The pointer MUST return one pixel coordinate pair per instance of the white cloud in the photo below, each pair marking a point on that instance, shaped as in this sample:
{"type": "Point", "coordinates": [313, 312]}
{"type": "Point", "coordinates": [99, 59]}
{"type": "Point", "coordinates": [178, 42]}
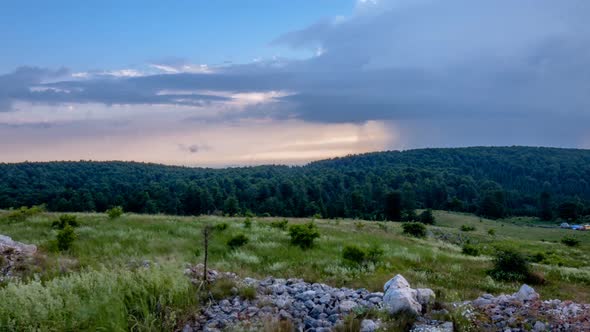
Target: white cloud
{"type": "Point", "coordinates": [183, 68]}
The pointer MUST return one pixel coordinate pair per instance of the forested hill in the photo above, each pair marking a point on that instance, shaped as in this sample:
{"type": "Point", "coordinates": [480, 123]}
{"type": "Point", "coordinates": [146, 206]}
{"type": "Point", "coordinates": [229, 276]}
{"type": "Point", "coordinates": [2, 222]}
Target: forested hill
{"type": "Point", "coordinates": [492, 181]}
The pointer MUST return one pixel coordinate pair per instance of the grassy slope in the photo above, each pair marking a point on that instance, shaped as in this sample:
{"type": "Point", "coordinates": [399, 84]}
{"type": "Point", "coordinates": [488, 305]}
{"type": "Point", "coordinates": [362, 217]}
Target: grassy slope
{"type": "Point", "coordinates": [105, 245]}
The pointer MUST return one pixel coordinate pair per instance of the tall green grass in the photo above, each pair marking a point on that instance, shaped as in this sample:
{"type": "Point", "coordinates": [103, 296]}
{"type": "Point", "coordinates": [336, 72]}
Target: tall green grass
{"type": "Point", "coordinates": [153, 299]}
{"type": "Point", "coordinates": [110, 246]}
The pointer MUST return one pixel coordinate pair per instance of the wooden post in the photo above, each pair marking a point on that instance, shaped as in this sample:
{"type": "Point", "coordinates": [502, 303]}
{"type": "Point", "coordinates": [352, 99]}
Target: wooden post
{"type": "Point", "coordinates": [206, 235]}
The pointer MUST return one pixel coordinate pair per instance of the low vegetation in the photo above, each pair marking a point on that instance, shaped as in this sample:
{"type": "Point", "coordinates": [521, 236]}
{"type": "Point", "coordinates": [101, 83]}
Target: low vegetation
{"type": "Point", "coordinates": [467, 228]}
{"type": "Point", "coordinates": [110, 276]}
{"type": "Point", "coordinates": [65, 220]}
{"type": "Point", "coordinates": [304, 235]}
{"type": "Point", "coordinates": [570, 241]}
{"type": "Point", "coordinates": [510, 265]}
{"type": "Point", "coordinates": [237, 241]}
{"type": "Point", "coordinates": [115, 212]}
{"type": "Point", "coordinates": [414, 229]}
{"type": "Point", "coordinates": [65, 238]}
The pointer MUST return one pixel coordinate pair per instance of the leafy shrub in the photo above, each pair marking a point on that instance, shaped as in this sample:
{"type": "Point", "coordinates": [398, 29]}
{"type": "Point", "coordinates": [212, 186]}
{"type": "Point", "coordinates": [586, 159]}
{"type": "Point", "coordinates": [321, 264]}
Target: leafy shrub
{"type": "Point", "coordinates": [220, 227]}
{"type": "Point", "coordinates": [359, 225]}
{"type": "Point", "coordinates": [317, 216]}
{"type": "Point", "coordinates": [509, 265]}
{"type": "Point", "coordinates": [247, 223]}
{"type": "Point", "coordinates": [538, 257]}
{"type": "Point", "coordinates": [470, 250]}
{"type": "Point", "coordinates": [64, 220]}
{"type": "Point", "coordinates": [383, 227]}
{"type": "Point", "coordinates": [354, 255]}
{"type": "Point", "coordinates": [570, 241]}
{"type": "Point", "coordinates": [374, 254]}
{"type": "Point", "coordinates": [247, 293]}
{"type": "Point", "coordinates": [65, 238]}
{"type": "Point", "coordinates": [237, 241]}
{"type": "Point", "coordinates": [282, 224]}
{"type": "Point", "coordinates": [415, 229]}
{"type": "Point", "coordinates": [410, 215]}
{"type": "Point", "coordinates": [426, 217]}
{"type": "Point", "coordinates": [467, 228]}
{"type": "Point", "coordinates": [115, 212]}
{"type": "Point", "coordinates": [23, 213]}
{"type": "Point", "coordinates": [492, 232]}
{"type": "Point", "coordinates": [304, 235]}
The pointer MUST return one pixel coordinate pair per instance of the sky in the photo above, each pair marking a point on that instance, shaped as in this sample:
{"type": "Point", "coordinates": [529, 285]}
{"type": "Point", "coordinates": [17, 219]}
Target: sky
{"type": "Point", "coordinates": [227, 83]}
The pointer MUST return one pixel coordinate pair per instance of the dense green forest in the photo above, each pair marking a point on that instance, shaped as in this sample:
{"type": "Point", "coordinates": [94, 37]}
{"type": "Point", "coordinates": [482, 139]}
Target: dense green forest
{"type": "Point", "coordinates": [491, 181]}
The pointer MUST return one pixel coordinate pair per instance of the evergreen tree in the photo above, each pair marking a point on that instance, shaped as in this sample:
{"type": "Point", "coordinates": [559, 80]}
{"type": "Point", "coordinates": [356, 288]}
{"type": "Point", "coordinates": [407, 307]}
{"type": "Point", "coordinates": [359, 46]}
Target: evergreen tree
{"type": "Point", "coordinates": [393, 206]}
{"type": "Point", "coordinates": [545, 206]}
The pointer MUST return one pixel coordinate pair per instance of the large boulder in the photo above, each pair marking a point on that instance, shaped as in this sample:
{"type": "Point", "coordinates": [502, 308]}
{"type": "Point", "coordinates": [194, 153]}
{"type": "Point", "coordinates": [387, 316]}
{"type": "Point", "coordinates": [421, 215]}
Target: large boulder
{"type": "Point", "coordinates": [396, 282]}
{"type": "Point", "coordinates": [13, 256]}
{"type": "Point", "coordinates": [6, 243]}
{"type": "Point", "coordinates": [526, 293]}
{"type": "Point", "coordinates": [399, 297]}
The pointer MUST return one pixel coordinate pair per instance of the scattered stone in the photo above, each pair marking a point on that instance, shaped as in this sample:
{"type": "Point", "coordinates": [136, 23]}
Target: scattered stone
{"type": "Point", "coordinates": [399, 297]}
{"type": "Point", "coordinates": [368, 325]}
{"type": "Point", "coordinates": [310, 307]}
{"type": "Point", "coordinates": [347, 306]}
{"type": "Point", "coordinates": [425, 296]}
{"type": "Point", "coordinates": [525, 311]}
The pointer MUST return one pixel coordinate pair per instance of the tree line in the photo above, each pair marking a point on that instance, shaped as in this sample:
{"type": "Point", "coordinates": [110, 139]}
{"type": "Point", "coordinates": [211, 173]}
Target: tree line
{"type": "Point", "coordinates": [491, 181]}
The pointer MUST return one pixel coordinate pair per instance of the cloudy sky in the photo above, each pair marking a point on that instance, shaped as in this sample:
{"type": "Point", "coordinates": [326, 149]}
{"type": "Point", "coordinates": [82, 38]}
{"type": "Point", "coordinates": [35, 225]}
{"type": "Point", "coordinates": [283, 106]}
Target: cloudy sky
{"type": "Point", "coordinates": [218, 83]}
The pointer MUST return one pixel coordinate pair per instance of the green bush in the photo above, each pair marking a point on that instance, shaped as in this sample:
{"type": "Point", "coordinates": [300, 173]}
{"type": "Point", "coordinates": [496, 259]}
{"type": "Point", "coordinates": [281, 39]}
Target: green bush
{"type": "Point", "coordinates": [538, 257]}
{"type": "Point", "coordinates": [304, 235]}
{"type": "Point", "coordinates": [510, 265]}
{"type": "Point", "coordinates": [375, 254]}
{"type": "Point", "coordinates": [354, 255]}
{"type": "Point", "coordinates": [64, 220]}
{"type": "Point", "coordinates": [65, 238]}
{"type": "Point", "coordinates": [237, 241]}
{"type": "Point", "coordinates": [467, 228]}
{"type": "Point", "coordinates": [492, 232]}
{"type": "Point", "coordinates": [221, 227]}
{"type": "Point", "coordinates": [470, 250]}
{"type": "Point", "coordinates": [415, 229]}
{"type": "Point", "coordinates": [23, 213]}
{"type": "Point", "coordinates": [115, 212]}
{"type": "Point", "coordinates": [282, 224]}
{"type": "Point", "coordinates": [426, 217]}
{"type": "Point", "coordinates": [247, 223]}
{"type": "Point", "coordinates": [359, 226]}
{"type": "Point", "coordinates": [410, 215]}
{"type": "Point", "coordinates": [570, 241]}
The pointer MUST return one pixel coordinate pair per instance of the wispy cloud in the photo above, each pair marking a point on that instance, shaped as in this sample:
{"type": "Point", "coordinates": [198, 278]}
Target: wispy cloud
{"type": "Point", "coordinates": [430, 72]}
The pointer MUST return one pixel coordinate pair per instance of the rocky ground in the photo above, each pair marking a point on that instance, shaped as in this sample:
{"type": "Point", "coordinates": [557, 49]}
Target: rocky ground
{"type": "Point", "coordinates": [525, 311]}
{"type": "Point", "coordinates": [307, 306]}
{"type": "Point", "coordinates": [13, 255]}
{"type": "Point", "coordinates": [319, 307]}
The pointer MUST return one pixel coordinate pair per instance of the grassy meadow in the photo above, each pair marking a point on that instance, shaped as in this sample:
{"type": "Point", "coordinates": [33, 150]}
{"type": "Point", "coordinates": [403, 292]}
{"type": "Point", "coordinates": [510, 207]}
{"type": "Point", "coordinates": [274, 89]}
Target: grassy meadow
{"type": "Point", "coordinates": [101, 284]}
